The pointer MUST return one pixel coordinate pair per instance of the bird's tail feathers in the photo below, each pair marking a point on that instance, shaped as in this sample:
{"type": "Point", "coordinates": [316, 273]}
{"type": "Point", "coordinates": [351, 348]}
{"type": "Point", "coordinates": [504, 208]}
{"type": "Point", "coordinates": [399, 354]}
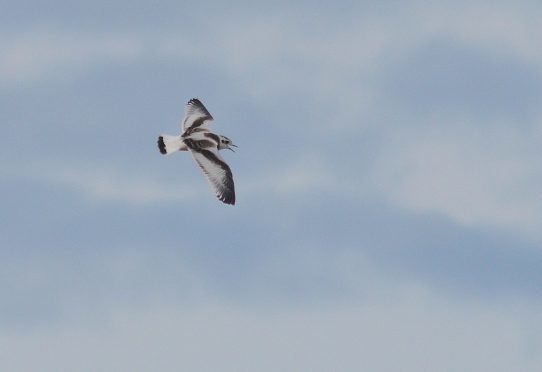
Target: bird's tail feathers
{"type": "Point", "coordinates": [168, 144]}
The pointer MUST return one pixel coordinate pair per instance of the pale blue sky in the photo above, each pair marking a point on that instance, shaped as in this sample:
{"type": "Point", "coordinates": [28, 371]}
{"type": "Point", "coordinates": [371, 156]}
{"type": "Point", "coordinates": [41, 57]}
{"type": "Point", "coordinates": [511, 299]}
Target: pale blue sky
{"type": "Point", "coordinates": [388, 181]}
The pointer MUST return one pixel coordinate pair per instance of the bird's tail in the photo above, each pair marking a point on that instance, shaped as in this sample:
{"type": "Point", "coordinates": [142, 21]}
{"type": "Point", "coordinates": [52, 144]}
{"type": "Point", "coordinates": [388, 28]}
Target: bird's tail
{"type": "Point", "coordinates": [168, 144]}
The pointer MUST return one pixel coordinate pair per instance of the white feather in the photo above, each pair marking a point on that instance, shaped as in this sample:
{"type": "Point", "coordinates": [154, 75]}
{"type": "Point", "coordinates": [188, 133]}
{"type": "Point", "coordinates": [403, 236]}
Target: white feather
{"type": "Point", "coordinates": [171, 144]}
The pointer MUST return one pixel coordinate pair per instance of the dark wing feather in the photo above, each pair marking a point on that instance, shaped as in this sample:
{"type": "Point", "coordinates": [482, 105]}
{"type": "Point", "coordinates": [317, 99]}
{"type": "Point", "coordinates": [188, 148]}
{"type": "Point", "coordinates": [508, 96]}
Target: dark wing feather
{"type": "Point", "coordinates": [196, 116]}
{"type": "Point", "coordinates": [218, 173]}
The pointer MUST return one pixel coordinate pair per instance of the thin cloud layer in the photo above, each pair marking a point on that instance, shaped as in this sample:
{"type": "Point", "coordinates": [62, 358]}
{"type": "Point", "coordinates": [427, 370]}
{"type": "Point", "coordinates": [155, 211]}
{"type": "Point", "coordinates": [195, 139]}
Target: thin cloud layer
{"type": "Point", "coordinates": [477, 176]}
{"type": "Point", "coordinates": [387, 175]}
{"type": "Point", "coordinates": [410, 333]}
{"type": "Point", "coordinates": [38, 55]}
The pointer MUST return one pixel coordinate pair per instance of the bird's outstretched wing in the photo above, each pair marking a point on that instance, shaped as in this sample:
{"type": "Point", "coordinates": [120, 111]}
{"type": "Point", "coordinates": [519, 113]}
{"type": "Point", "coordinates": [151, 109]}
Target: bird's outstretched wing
{"type": "Point", "coordinates": [196, 117]}
{"type": "Point", "coordinates": [216, 170]}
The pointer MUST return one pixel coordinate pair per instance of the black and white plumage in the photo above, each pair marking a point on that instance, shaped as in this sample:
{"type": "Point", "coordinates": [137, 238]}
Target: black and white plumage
{"type": "Point", "coordinates": [204, 145]}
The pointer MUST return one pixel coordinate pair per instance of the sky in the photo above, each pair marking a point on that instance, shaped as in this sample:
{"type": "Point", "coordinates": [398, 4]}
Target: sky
{"type": "Point", "coordinates": [388, 181]}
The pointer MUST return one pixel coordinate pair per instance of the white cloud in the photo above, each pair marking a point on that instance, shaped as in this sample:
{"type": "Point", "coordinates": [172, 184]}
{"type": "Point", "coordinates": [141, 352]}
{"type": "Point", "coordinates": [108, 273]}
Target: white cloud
{"type": "Point", "coordinates": [477, 175]}
{"type": "Point", "coordinates": [109, 185]}
{"type": "Point", "coordinates": [508, 28]}
{"type": "Point", "coordinates": [291, 55]}
{"type": "Point", "coordinates": [307, 174]}
{"type": "Point", "coordinates": [412, 332]}
{"type": "Point", "coordinates": [279, 49]}
{"type": "Point", "coordinates": [333, 70]}
{"type": "Point", "coordinates": [36, 55]}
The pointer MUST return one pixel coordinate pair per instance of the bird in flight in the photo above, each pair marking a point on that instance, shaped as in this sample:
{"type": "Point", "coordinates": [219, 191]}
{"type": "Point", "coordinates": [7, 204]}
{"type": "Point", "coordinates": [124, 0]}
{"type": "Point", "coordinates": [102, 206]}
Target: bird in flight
{"type": "Point", "coordinates": [204, 145]}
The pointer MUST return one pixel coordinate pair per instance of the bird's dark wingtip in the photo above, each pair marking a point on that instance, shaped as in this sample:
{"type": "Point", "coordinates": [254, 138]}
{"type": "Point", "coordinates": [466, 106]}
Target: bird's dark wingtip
{"type": "Point", "coordinates": [227, 199]}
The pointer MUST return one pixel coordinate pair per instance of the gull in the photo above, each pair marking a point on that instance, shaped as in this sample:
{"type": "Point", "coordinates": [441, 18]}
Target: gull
{"type": "Point", "coordinates": [204, 145]}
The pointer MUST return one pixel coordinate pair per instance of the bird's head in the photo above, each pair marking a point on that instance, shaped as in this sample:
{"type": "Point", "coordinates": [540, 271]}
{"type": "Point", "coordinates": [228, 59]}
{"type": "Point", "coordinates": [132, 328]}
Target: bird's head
{"type": "Point", "coordinates": [225, 143]}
